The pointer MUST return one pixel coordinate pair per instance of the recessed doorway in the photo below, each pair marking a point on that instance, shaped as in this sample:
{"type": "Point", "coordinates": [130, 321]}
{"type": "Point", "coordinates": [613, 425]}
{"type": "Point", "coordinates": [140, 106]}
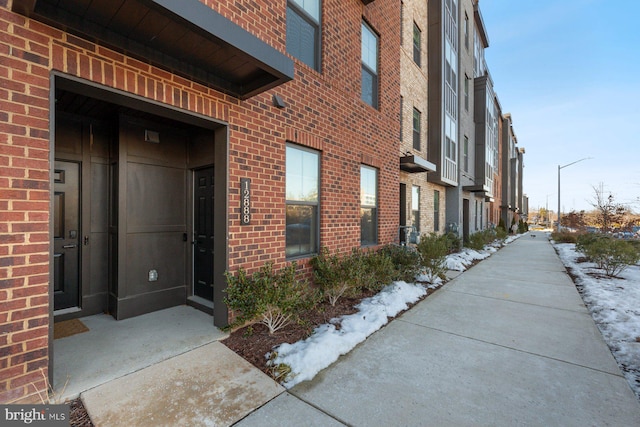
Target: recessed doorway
{"type": "Point", "coordinates": [139, 205]}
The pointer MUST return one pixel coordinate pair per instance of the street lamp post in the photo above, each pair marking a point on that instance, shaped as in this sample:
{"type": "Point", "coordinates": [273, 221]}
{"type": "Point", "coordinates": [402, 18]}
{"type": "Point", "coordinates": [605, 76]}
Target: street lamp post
{"type": "Point", "coordinates": [562, 167]}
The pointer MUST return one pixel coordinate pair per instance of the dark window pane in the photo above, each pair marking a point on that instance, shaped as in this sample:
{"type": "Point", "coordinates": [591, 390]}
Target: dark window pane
{"type": "Point", "coordinates": [301, 38]}
{"type": "Point", "coordinates": [416, 129]}
{"type": "Point", "coordinates": [369, 53]}
{"type": "Point", "coordinates": [436, 211]}
{"type": "Point", "coordinates": [417, 36]}
{"type": "Point", "coordinates": [301, 230]}
{"type": "Point", "coordinates": [368, 226]}
{"type": "Point", "coordinates": [368, 81]}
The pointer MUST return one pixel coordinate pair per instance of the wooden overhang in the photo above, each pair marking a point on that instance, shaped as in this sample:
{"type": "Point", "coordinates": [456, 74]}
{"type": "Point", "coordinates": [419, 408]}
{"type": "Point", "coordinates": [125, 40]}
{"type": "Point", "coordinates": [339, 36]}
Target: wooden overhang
{"type": "Point", "coordinates": [185, 37]}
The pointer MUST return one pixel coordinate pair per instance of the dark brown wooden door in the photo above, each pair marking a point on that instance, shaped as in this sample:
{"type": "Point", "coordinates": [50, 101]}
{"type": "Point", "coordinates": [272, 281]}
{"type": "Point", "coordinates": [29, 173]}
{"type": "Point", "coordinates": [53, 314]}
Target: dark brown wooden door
{"type": "Point", "coordinates": [66, 234]}
{"type": "Point", "coordinates": [203, 234]}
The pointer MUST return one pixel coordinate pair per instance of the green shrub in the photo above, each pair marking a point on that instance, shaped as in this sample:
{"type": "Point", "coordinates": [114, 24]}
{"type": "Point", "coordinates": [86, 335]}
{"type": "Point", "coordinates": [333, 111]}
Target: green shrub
{"type": "Point", "coordinates": [611, 255]}
{"type": "Point", "coordinates": [433, 249]}
{"type": "Point", "coordinates": [405, 260]}
{"type": "Point", "coordinates": [356, 270]}
{"type": "Point", "coordinates": [584, 240]}
{"type": "Point", "coordinates": [379, 270]}
{"type": "Point", "coordinates": [349, 275]}
{"type": "Point", "coordinates": [454, 243]}
{"type": "Point", "coordinates": [479, 239]}
{"type": "Point", "coordinates": [501, 233]}
{"type": "Point", "coordinates": [330, 276]}
{"type": "Point", "coordinates": [501, 230]}
{"type": "Point", "coordinates": [521, 226]}
{"type": "Point", "coordinates": [564, 237]}
{"type": "Point", "coordinates": [273, 299]}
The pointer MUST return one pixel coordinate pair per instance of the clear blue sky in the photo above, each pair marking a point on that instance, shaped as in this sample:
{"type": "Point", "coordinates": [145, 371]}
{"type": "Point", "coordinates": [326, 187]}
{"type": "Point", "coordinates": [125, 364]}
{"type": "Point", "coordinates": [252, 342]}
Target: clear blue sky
{"type": "Point", "coordinates": [568, 71]}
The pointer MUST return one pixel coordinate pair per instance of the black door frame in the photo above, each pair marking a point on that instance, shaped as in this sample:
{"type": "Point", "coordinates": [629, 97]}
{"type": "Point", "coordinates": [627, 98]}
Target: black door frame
{"type": "Point", "coordinates": [67, 248]}
{"type": "Point", "coordinates": [220, 130]}
{"type": "Point", "coordinates": [203, 291]}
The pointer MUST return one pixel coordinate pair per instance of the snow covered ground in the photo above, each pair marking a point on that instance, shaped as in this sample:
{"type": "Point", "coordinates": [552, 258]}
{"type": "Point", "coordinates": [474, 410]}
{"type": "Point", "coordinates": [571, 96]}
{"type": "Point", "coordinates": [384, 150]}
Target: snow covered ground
{"type": "Point", "coordinates": [614, 304]}
{"type": "Point", "coordinates": [328, 342]}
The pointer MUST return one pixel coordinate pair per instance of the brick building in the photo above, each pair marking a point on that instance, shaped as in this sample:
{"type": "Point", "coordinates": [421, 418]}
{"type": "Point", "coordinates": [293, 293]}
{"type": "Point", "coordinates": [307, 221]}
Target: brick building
{"type": "Point", "coordinates": [422, 203]}
{"type": "Point", "coordinates": [148, 146]}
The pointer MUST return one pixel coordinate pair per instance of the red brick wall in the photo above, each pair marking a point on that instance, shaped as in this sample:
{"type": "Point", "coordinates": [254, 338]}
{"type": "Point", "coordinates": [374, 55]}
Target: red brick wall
{"type": "Point", "coordinates": [24, 206]}
{"type": "Point", "coordinates": [324, 111]}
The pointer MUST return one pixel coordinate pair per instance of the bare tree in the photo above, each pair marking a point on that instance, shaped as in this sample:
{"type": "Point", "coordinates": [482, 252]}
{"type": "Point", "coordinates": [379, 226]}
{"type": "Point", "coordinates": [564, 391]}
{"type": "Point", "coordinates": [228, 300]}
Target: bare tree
{"type": "Point", "coordinates": [608, 211]}
{"type": "Point", "coordinates": [575, 220]}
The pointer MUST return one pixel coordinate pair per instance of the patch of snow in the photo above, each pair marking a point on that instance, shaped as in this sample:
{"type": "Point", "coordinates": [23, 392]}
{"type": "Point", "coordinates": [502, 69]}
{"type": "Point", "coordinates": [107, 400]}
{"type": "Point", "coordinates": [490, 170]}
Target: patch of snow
{"type": "Point", "coordinates": [308, 357]}
{"type": "Point", "coordinates": [614, 304]}
{"type": "Point", "coordinates": [329, 341]}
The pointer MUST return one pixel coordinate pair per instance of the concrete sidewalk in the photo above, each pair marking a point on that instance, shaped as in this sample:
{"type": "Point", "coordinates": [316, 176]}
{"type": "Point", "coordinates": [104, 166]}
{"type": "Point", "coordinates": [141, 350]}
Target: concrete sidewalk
{"type": "Point", "coordinates": [508, 342]}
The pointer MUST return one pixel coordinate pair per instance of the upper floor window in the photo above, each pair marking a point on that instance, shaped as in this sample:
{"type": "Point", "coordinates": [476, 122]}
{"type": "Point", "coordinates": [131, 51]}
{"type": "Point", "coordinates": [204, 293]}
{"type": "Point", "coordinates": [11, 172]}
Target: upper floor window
{"type": "Point", "coordinates": [465, 154]}
{"type": "Point", "coordinates": [417, 43]}
{"type": "Point", "coordinates": [303, 31]}
{"type": "Point", "coordinates": [368, 206]}
{"type": "Point", "coordinates": [401, 117]}
{"type": "Point", "coordinates": [302, 188]}
{"type": "Point", "coordinates": [450, 139]}
{"type": "Point", "coordinates": [415, 206]}
{"type": "Point", "coordinates": [401, 23]}
{"type": "Point", "coordinates": [466, 92]}
{"type": "Point", "coordinates": [452, 5]}
{"type": "Point", "coordinates": [369, 66]}
{"type": "Point", "coordinates": [466, 31]}
{"type": "Point", "coordinates": [417, 118]}
{"type": "Point", "coordinates": [451, 67]}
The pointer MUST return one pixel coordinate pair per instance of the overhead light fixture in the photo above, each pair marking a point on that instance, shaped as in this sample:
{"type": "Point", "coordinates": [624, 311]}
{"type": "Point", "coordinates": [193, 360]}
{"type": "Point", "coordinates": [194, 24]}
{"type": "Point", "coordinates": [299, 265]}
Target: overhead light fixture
{"type": "Point", "coordinates": [278, 101]}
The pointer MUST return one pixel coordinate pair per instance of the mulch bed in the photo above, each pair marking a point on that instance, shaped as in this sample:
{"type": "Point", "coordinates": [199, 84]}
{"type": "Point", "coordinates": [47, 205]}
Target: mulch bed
{"type": "Point", "coordinates": [253, 342]}
{"type": "Point", "coordinates": [78, 416]}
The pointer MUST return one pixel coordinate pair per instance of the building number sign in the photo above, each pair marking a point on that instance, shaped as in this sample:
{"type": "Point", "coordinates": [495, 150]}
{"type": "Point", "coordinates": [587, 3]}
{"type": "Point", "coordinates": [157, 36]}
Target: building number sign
{"type": "Point", "coordinates": [245, 189]}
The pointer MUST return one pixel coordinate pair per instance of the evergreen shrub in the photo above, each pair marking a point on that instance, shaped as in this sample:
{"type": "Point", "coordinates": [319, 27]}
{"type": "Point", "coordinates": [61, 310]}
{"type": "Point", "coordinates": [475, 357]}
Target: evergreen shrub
{"type": "Point", "coordinates": [433, 249]}
{"type": "Point", "coordinates": [273, 299]}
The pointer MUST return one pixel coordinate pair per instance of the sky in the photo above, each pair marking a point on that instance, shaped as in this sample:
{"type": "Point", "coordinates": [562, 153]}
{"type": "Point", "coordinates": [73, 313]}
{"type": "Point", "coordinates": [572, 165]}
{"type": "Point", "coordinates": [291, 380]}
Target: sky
{"type": "Point", "coordinates": [568, 71]}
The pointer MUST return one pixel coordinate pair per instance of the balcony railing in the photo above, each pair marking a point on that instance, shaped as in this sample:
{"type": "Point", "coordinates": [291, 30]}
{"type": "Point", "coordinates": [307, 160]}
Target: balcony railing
{"type": "Point", "coordinates": [450, 170]}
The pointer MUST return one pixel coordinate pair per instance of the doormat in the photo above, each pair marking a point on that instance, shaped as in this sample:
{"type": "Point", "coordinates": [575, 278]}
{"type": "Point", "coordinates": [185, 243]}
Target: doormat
{"type": "Point", "coordinates": [68, 328]}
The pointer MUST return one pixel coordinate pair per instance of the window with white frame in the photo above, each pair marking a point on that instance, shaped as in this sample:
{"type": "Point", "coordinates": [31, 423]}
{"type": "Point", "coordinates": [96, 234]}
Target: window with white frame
{"type": "Point", "coordinates": [369, 66]}
{"type": "Point", "coordinates": [302, 201]}
{"type": "Point", "coordinates": [450, 138]}
{"type": "Point", "coordinates": [368, 206]}
{"type": "Point", "coordinates": [401, 118]}
{"type": "Point", "coordinates": [303, 31]}
{"type": "Point", "coordinates": [417, 44]}
{"type": "Point", "coordinates": [417, 119]}
{"type": "Point", "coordinates": [415, 206]}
